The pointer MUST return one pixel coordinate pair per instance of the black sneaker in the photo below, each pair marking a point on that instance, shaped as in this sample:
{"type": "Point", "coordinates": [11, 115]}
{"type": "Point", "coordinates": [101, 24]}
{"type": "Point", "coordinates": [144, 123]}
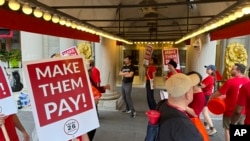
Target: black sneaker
{"type": "Point", "coordinates": [126, 111]}
{"type": "Point", "coordinates": [133, 114]}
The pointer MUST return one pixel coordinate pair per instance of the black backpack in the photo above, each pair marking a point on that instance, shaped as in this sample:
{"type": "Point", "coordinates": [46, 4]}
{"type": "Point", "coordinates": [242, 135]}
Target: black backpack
{"type": "Point", "coordinates": [16, 84]}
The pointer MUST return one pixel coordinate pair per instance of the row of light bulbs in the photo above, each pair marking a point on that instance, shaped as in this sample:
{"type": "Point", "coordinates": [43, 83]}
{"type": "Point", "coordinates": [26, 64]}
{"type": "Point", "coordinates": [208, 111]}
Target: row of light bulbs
{"type": "Point", "coordinates": [47, 16]}
{"type": "Point", "coordinates": [217, 23]}
{"type": "Point", "coordinates": [164, 42]}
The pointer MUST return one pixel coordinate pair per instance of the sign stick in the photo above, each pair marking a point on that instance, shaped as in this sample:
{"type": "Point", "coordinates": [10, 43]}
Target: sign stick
{"type": "Point", "coordinates": [108, 78]}
{"type": "Point", "coordinates": [6, 136]}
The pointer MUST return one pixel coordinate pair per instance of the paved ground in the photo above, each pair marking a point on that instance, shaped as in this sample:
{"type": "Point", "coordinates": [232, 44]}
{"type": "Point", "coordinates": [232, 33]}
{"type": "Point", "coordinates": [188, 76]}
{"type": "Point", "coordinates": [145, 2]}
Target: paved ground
{"type": "Point", "coordinates": [117, 126]}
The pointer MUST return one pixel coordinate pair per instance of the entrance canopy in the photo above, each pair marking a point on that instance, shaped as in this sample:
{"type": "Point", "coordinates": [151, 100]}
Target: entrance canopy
{"type": "Point", "coordinates": [133, 20]}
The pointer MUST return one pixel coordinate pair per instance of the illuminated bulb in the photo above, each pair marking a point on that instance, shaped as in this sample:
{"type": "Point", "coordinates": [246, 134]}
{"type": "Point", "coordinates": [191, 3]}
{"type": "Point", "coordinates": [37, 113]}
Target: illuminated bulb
{"type": "Point", "coordinates": [68, 23]}
{"type": "Point", "coordinates": [47, 16]}
{"type": "Point", "coordinates": [238, 13]}
{"type": "Point", "coordinates": [78, 27]}
{"type": "Point", "coordinates": [55, 18]}
{"type": "Point", "coordinates": [73, 25]}
{"type": "Point", "coordinates": [246, 10]}
{"type": "Point", "coordinates": [221, 22]}
{"type": "Point", "coordinates": [14, 5]}
{"type": "Point", "coordinates": [213, 26]}
{"type": "Point", "coordinates": [83, 28]}
{"type": "Point", "coordinates": [27, 9]}
{"type": "Point", "coordinates": [38, 12]}
{"type": "Point", "coordinates": [2, 2]}
{"type": "Point", "coordinates": [226, 20]}
{"type": "Point", "coordinates": [62, 21]}
{"type": "Point", "coordinates": [232, 17]}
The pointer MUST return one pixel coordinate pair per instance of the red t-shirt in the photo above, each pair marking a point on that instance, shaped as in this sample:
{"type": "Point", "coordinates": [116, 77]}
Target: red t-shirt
{"type": "Point", "coordinates": [209, 82]}
{"type": "Point", "coordinates": [95, 75]}
{"type": "Point", "coordinates": [11, 130]}
{"type": "Point", "coordinates": [244, 100]}
{"type": "Point", "coordinates": [198, 103]}
{"type": "Point", "coordinates": [151, 69]}
{"type": "Point", "coordinates": [170, 73]}
{"type": "Point", "coordinates": [231, 89]}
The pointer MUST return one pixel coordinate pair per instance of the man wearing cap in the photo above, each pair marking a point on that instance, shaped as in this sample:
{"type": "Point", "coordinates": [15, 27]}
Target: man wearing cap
{"type": "Point", "coordinates": [174, 123]}
{"type": "Point", "coordinates": [230, 89]}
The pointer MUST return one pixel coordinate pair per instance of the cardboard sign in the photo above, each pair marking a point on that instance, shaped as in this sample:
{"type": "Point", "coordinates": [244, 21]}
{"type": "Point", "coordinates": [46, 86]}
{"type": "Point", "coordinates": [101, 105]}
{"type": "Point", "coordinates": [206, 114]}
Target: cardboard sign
{"type": "Point", "coordinates": [72, 51]}
{"type": "Point", "coordinates": [7, 103]}
{"type": "Point", "coordinates": [167, 55]}
{"type": "Point", "coordinates": [148, 53]}
{"type": "Point", "coordinates": [61, 98]}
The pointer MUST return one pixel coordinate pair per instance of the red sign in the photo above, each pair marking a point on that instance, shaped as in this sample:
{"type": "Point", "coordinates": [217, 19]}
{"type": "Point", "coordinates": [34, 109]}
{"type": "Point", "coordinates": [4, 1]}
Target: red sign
{"type": "Point", "coordinates": [4, 87]}
{"type": "Point", "coordinates": [168, 54]}
{"type": "Point", "coordinates": [72, 51]}
{"type": "Point", "coordinates": [60, 89]}
{"type": "Point", "coordinates": [148, 53]}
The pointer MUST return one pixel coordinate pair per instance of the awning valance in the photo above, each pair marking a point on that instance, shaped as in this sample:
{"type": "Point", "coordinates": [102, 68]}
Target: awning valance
{"type": "Point", "coordinates": [18, 21]}
{"type": "Point", "coordinates": [239, 29]}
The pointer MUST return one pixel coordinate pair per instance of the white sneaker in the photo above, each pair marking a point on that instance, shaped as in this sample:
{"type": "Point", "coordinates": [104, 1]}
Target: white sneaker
{"type": "Point", "coordinates": [212, 132]}
{"type": "Point", "coordinates": [207, 127]}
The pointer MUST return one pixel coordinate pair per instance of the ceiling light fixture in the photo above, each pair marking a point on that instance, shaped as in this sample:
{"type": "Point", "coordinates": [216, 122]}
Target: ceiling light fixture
{"type": "Point", "coordinates": [246, 10]}
{"type": "Point", "coordinates": [14, 5]}
{"type": "Point", "coordinates": [38, 12]}
{"type": "Point", "coordinates": [55, 18]}
{"type": "Point", "coordinates": [47, 16]}
{"type": "Point", "coordinates": [73, 25]}
{"type": "Point", "coordinates": [62, 21]}
{"type": "Point", "coordinates": [235, 13]}
{"type": "Point", "coordinates": [2, 2]}
{"type": "Point", "coordinates": [68, 23]}
{"type": "Point", "coordinates": [27, 9]}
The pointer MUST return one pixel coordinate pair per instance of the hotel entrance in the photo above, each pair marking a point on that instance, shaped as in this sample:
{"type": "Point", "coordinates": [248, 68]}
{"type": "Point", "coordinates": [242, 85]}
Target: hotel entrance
{"type": "Point", "coordinates": [137, 52]}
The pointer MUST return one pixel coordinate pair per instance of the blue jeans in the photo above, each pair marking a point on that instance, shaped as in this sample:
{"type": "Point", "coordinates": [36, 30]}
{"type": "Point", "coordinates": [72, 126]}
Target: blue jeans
{"type": "Point", "coordinates": [152, 132]}
{"type": "Point", "coordinates": [150, 96]}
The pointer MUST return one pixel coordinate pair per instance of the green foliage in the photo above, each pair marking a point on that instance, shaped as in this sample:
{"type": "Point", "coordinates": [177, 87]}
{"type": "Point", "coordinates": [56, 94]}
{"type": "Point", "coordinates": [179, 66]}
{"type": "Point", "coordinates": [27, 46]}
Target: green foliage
{"type": "Point", "coordinates": [14, 54]}
{"type": "Point", "coordinates": [13, 57]}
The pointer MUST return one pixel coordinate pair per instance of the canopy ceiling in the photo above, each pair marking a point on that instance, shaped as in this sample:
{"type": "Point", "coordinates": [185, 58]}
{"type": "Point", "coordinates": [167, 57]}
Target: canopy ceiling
{"type": "Point", "coordinates": [166, 20]}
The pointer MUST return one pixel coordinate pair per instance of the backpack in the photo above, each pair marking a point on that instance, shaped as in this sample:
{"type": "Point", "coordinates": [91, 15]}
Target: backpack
{"type": "Point", "coordinates": [152, 130]}
{"type": "Point", "coordinates": [16, 84]}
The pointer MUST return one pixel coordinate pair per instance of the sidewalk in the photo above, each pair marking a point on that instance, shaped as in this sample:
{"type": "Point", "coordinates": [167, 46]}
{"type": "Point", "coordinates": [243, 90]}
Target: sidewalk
{"type": "Point", "coordinates": [118, 126]}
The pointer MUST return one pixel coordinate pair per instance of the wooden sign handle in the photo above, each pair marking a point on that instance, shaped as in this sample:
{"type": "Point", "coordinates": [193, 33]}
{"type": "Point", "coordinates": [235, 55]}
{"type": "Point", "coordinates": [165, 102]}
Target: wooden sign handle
{"type": "Point", "coordinates": [6, 136]}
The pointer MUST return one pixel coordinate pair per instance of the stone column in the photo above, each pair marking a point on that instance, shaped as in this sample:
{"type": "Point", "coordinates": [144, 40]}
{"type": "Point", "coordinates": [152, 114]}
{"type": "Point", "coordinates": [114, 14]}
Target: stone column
{"type": "Point", "coordinates": [198, 57]}
{"type": "Point", "coordinates": [105, 60]}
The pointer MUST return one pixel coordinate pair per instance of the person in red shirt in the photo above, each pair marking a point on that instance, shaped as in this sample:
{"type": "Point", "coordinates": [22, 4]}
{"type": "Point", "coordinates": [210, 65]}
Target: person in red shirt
{"type": "Point", "coordinates": [207, 87]}
{"type": "Point", "coordinates": [12, 122]}
{"type": "Point", "coordinates": [172, 65]}
{"type": "Point", "coordinates": [243, 103]}
{"type": "Point", "coordinates": [230, 89]}
{"type": "Point", "coordinates": [195, 107]}
{"type": "Point", "coordinates": [150, 83]}
{"type": "Point", "coordinates": [94, 73]}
